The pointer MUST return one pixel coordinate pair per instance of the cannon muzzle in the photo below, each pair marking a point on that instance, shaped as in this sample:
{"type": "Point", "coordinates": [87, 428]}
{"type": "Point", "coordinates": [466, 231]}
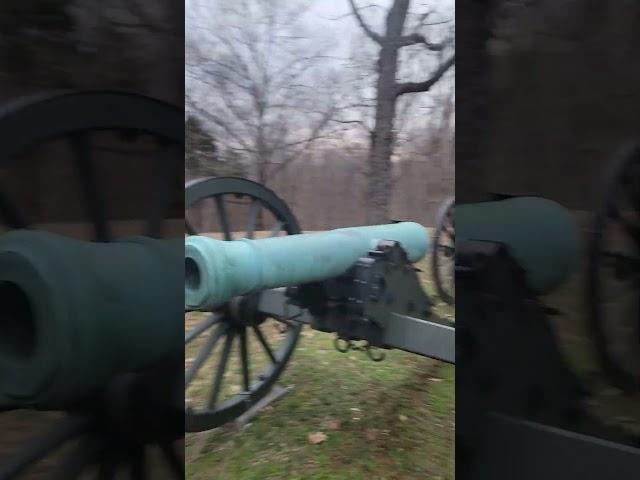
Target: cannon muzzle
{"type": "Point", "coordinates": [216, 271]}
{"type": "Point", "coordinates": [540, 234]}
{"type": "Point", "coordinates": [74, 314]}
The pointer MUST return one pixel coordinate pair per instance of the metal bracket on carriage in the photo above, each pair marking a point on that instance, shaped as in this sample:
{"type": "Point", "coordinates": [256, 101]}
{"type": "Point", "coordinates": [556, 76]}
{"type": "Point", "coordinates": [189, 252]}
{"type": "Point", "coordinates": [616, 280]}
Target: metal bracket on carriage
{"type": "Point", "coordinates": [358, 305]}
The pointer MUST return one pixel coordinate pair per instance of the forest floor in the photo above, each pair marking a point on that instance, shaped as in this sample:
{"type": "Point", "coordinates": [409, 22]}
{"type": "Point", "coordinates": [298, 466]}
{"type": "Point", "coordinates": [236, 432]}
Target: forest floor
{"type": "Point", "coordinates": [345, 418]}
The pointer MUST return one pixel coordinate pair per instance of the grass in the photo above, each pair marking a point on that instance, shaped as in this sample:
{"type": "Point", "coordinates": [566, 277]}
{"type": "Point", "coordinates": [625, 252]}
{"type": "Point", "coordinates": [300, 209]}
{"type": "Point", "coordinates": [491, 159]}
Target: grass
{"type": "Point", "coordinates": [605, 402]}
{"type": "Point", "coordinates": [388, 420]}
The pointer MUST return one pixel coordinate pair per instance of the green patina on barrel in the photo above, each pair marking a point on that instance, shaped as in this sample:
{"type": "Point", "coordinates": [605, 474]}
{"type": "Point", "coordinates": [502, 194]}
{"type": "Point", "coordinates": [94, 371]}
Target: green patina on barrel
{"type": "Point", "coordinates": [216, 270]}
{"type": "Point", "coordinates": [540, 234]}
{"type": "Point", "coordinates": [73, 313]}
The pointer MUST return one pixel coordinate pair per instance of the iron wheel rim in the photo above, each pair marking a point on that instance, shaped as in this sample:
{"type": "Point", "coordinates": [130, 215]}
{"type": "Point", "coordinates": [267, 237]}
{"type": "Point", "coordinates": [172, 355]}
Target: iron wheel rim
{"type": "Point", "coordinates": [445, 227]}
{"type": "Point", "coordinates": [620, 176]}
{"type": "Point", "coordinates": [216, 413]}
{"type": "Point", "coordinates": [74, 117]}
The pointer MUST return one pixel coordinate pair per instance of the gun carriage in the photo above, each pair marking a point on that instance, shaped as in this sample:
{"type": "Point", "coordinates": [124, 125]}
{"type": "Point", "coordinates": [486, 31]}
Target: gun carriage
{"type": "Point", "coordinates": [91, 329]}
{"type": "Point", "coordinates": [84, 339]}
{"type": "Point", "coordinates": [522, 397]}
{"type": "Point", "coordinates": [358, 283]}
{"type": "Point", "coordinates": [90, 342]}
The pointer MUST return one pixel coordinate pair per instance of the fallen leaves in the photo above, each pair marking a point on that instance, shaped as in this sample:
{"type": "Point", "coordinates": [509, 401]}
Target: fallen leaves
{"type": "Point", "coordinates": [317, 438]}
{"type": "Point", "coordinates": [371, 434]}
{"type": "Point", "coordinates": [334, 425]}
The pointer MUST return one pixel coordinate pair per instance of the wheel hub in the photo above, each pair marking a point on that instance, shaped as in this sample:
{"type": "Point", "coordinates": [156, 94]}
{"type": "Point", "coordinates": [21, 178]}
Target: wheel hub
{"type": "Point", "coordinates": [243, 311]}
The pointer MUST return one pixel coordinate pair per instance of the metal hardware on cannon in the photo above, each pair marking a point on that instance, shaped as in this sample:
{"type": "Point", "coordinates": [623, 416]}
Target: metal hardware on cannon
{"type": "Point", "coordinates": [359, 283]}
{"type": "Point", "coordinates": [348, 280]}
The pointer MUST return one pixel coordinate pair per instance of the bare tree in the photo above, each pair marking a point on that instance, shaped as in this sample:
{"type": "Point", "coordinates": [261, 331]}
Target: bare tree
{"type": "Point", "coordinates": [259, 79]}
{"type": "Point", "coordinates": [389, 90]}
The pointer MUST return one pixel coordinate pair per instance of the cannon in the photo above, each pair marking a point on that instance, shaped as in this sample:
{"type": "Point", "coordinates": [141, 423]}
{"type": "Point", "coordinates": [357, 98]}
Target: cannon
{"type": "Point", "coordinates": [518, 396]}
{"type": "Point", "coordinates": [217, 271]}
{"type": "Point", "coordinates": [358, 283]}
{"type": "Point", "coordinates": [89, 322]}
{"type": "Point", "coordinates": [51, 355]}
{"type": "Point", "coordinates": [547, 259]}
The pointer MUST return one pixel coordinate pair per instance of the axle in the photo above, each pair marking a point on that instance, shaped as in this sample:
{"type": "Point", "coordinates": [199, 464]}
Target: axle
{"type": "Point", "coordinates": [216, 271]}
{"type": "Point", "coordinates": [74, 314]}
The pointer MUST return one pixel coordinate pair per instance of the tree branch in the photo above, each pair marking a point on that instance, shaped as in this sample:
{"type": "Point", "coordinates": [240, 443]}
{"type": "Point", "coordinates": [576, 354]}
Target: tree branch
{"type": "Point", "coordinates": [358, 122]}
{"type": "Point", "coordinates": [340, 17]}
{"type": "Point", "coordinates": [370, 33]}
{"type": "Point", "coordinates": [425, 86]}
{"type": "Point", "coordinates": [419, 39]}
{"type": "Point", "coordinates": [315, 134]}
{"type": "Point", "coordinates": [202, 113]}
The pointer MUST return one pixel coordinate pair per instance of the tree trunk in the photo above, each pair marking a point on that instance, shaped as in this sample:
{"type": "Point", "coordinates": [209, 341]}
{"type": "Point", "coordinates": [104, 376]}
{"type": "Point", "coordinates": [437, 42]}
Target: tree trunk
{"type": "Point", "coordinates": [382, 139]}
{"type": "Point", "coordinates": [262, 162]}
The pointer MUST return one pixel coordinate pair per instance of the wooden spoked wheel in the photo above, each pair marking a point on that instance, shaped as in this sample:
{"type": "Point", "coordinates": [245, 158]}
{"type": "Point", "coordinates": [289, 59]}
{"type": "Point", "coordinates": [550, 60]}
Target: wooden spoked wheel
{"type": "Point", "coordinates": [235, 354]}
{"type": "Point", "coordinates": [613, 276]}
{"type": "Point", "coordinates": [443, 252]}
{"type": "Point", "coordinates": [130, 425]}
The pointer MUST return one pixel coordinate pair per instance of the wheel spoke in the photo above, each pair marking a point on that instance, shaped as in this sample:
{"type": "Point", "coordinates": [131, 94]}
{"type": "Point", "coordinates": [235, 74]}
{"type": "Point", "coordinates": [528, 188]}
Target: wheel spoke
{"type": "Point", "coordinates": [244, 357]}
{"type": "Point", "coordinates": [631, 184]}
{"type": "Point", "coordinates": [93, 193]}
{"type": "Point", "coordinates": [632, 230]}
{"type": "Point", "coordinates": [211, 320]}
{"type": "Point", "coordinates": [276, 229]}
{"type": "Point", "coordinates": [449, 232]}
{"type": "Point", "coordinates": [137, 470]}
{"type": "Point", "coordinates": [9, 213]}
{"type": "Point", "coordinates": [254, 209]}
{"type": "Point", "coordinates": [190, 229]}
{"type": "Point", "coordinates": [108, 467]}
{"type": "Point", "coordinates": [222, 368]}
{"type": "Point", "coordinates": [160, 198]}
{"type": "Point", "coordinates": [222, 216]}
{"type": "Point", "coordinates": [79, 459]}
{"type": "Point", "coordinates": [203, 354]}
{"type": "Point", "coordinates": [448, 250]}
{"type": "Point", "coordinates": [173, 460]}
{"type": "Point", "coordinates": [624, 257]}
{"type": "Point", "coordinates": [263, 342]}
{"type": "Point", "coordinates": [219, 403]}
{"type": "Point", "coordinates": [62, 431]}
{"type": "Point", "coordinates": [625, 266]}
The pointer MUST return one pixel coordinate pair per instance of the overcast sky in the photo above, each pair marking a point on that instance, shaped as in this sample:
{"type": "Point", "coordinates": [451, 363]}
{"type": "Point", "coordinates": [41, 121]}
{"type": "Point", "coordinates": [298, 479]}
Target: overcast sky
{"type": "Point", "coordinates": [329, 16]}
{"type": "Point", "coordinates": [331, 20]}
{"type": "Point", "coordinates": [328, 12]}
